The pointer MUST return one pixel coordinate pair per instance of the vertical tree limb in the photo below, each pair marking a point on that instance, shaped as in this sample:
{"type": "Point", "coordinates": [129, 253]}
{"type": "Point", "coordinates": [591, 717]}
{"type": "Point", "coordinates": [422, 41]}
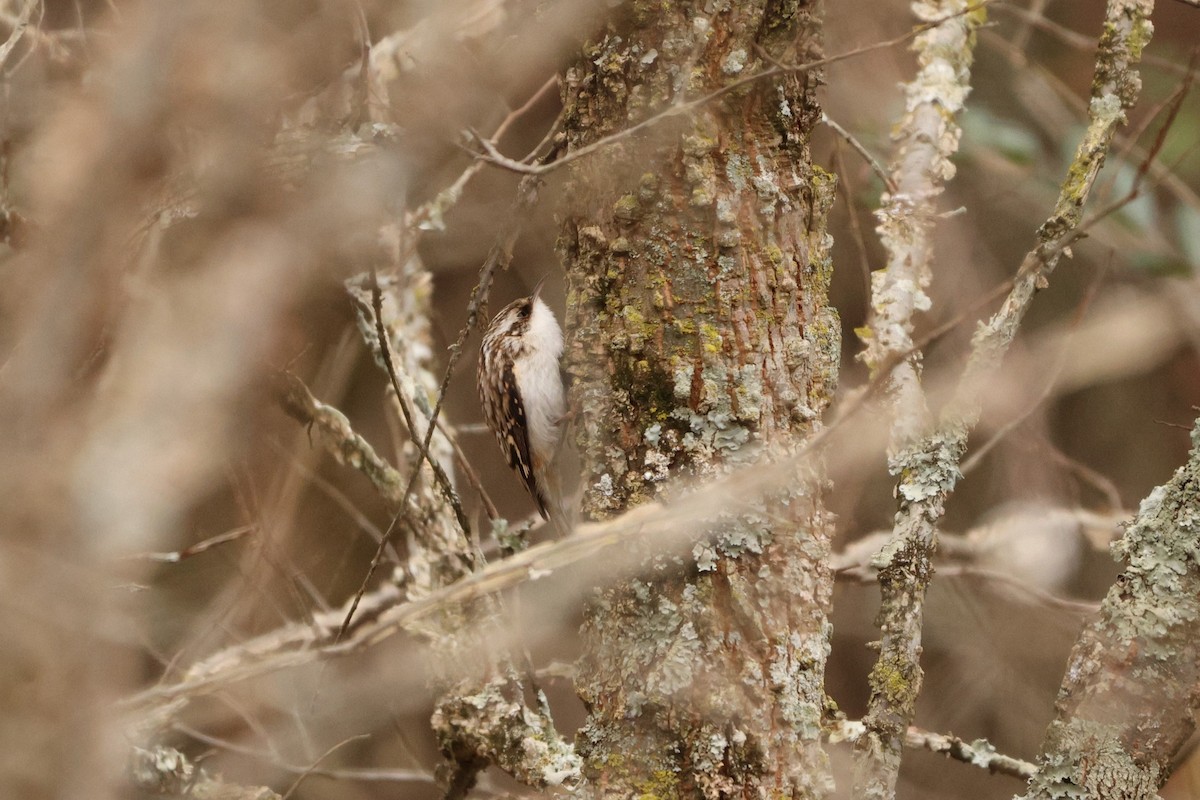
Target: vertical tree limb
{"type": "Point", "coordinates": [929, 469]}
{"type": "Point", "coordinates": [927, 138]}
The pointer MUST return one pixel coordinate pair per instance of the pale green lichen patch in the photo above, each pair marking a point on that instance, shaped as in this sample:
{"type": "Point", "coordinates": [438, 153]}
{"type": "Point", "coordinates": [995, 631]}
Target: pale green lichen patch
{"type": "Point", "coordinates": [748, 394]}
{"type": "Point", "coordinates": [1160, 588]}
{"type": "Point", "coordinates": [705, 557]}
{"type": "Point", "coordinates": [627, 208]}
{"type": "Point", "coordinates": [682, 379]}
{"type": "Point", "coordinates": [1108, 766]}
{"type": "Point", "coordinates": [739, 172]}
{"type": "Point", "coordinates": [710, 433]}
{"type": "Point", "coordinates": [677, 338]}
{"type": "Point", "coordinates": [735, 62]}
{"type": "Point", "coordinates": [928, 470]}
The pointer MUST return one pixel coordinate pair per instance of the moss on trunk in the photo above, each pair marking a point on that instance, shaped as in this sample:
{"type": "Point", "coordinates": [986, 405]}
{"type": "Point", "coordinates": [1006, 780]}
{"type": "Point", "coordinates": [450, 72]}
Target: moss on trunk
{"type": "Point", "coordinates": [701, 340]}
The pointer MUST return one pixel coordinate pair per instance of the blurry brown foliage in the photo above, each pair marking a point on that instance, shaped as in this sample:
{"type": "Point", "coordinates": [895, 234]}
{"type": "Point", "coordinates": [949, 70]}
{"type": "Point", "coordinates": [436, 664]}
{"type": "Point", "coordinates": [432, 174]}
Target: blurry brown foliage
{"type": "Point", "coordinates": [185, 186]}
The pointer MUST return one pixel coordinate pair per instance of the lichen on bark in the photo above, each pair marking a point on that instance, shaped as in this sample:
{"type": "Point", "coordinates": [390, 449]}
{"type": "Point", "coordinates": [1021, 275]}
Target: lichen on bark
{"type": "Point", "coordinates": [1131, 691]}
{"type": "Point", "coordinates": [700, 340]}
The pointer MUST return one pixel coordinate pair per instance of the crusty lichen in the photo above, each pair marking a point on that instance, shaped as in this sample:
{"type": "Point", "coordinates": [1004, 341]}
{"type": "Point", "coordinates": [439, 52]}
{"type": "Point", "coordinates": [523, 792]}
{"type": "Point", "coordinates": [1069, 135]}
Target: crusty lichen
{"type": "Point", "coordinates": [489, 727]}
{"type": "Point", "coordinates": [731, 354]}
{"type": "Point", "coordinates": [1128, 700]}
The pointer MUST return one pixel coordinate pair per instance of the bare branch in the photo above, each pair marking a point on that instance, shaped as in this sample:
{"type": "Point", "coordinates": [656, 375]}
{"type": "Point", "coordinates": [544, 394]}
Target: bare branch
{"type": "Point", "coordinates": [312, 768]}
{"type": "Point", "coordinates": [380, 775]}
{"type": "Point", "coordinates": [199, 547]}
{"type": "Point", "coordinates": [979, 753]}
{"type": "Point", "coordinates": [334, 432]}
{"type": "Point", "coordinates": [858, 147]}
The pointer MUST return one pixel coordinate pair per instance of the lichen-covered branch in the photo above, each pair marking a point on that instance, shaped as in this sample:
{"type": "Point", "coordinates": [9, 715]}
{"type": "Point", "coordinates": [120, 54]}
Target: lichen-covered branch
{"type": "Point", "coordinates": [1131, 690]}
{"type": "Point", "coordinates": [927, 137]}
{"type": "Point", "coordinates": [330, 428]}
{"type": "Point", "coordinates": [1115, 89]}
{"type": "Point", "coordinates": [978, 753]}
{"type": "Point", "coordinates": [166, 772]}
{"type": "Point", "coordinates": [929, 469]}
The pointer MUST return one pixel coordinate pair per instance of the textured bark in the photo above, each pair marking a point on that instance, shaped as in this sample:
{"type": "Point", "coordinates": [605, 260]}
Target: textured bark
{"type": "Point", "coordinates": [698, 267]}
{"type": "Point", "coordinates": [1131, 691]}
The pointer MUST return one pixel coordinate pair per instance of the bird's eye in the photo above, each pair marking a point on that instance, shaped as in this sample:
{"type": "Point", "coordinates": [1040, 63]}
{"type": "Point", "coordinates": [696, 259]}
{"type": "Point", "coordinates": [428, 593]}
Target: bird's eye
{"type": "Point", "coordinates": [523, 312]}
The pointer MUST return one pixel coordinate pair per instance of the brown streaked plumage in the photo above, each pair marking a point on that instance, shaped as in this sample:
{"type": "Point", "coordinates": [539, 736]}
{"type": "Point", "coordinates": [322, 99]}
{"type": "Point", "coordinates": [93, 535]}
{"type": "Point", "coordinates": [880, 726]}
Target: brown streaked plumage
{"type": "Point", "coordinates": [520, 388]}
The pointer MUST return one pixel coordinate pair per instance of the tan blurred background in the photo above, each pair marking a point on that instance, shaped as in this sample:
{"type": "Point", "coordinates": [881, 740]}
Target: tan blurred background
{"type": "Point", "coordinates": [186, 185]}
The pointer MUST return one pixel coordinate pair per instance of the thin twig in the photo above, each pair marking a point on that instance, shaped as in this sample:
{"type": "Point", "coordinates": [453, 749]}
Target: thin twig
{"type": "Point", "coordinates": [1055, 371]}
{"type": "Point", "coordinates": [856, 231]}
{"type": "Point", "coordinates": [348, 774]}
{"type": "Point", "coordinates": [1098, 480]}
{"type": "Point", "coordinates": [199, 547]}
{"type": "Point", "coordinates": [338, 497]}
{"type": "Point", "coordinates": [873, 162]}
{"type": "Point", "coordinates": [429, 214]}
{"type": "Point", "coordinates": [463, 464]}
{"type": "Point", "coordinates": [422, 445]}
{"type": "Point", "coordinates": [499, 159]}
{"type": "Point", "coordinates": [311, 769]}
{"type": "Point", "coordinates": [1172, 183]}
{"type": "Point", "coordinates": [1170, 104]}
{"type": "Point", "coordinates": [1037, 593]}
{"type": "Point", "coordinates": [868, 576]}
{"type": "Point", "coordinates": [978, 753]}
{"type": "Point", "coordinates": [1079, 40]}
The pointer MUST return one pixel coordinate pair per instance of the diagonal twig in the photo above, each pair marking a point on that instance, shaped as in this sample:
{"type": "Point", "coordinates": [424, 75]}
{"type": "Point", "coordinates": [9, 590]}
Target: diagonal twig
{"type": "Point", "coordinates": [493, 156]}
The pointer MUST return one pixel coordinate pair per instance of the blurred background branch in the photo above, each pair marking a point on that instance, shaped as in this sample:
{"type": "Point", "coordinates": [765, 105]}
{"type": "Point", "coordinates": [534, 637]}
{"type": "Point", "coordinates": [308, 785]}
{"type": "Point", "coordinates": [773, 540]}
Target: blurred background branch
{"type": "Point", "coordinates": [188, 192]}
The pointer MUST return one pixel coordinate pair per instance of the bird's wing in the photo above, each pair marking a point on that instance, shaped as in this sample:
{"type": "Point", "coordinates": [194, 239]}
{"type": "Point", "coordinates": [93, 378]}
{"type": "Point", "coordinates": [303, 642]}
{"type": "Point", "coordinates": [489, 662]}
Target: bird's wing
{"type": "Point", "coordinates": [512, 430]}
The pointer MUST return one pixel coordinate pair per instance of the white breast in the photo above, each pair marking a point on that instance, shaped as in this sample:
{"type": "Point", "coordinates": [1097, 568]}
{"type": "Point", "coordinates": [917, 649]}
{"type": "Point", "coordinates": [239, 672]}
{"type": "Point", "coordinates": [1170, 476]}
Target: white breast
{"type": "Point", "coordinates": [540, 382]}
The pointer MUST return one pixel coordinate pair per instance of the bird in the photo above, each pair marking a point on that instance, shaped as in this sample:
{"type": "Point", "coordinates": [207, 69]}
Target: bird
{"type": "Point", "coordinates": [523, 398]}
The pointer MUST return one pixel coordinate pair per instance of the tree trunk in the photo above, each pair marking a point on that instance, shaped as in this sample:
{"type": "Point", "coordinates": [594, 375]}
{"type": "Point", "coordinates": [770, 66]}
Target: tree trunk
{"type": "Point", "coordinates": [698, 265]}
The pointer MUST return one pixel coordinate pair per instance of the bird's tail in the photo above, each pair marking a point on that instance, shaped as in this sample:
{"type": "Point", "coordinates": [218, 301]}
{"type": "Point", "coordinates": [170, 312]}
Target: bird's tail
{"type": "Point", "coordinates": [554, 505]}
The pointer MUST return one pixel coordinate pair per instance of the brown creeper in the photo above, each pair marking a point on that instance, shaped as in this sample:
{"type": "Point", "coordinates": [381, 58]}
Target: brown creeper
{"type": "Point", "coordinates": [521, 389]}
